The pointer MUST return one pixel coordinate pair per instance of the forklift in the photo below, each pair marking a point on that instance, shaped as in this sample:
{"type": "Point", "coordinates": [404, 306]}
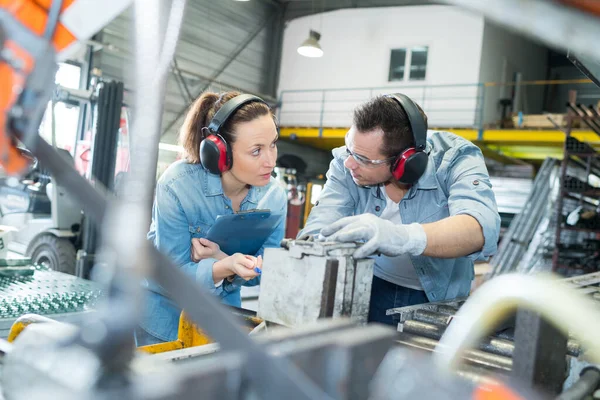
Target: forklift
{"type": "Point", "coordinates": [50, 227]}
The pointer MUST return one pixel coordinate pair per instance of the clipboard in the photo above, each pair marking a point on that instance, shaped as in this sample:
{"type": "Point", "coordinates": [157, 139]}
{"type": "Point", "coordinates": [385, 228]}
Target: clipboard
{"type": "Point", "coordinates": [244, 232]}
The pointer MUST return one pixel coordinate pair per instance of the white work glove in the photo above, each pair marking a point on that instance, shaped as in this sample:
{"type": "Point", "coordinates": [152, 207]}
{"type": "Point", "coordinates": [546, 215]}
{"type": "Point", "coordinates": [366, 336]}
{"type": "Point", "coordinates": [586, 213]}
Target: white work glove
{"type": "Point", "coordinates": [380, 235]}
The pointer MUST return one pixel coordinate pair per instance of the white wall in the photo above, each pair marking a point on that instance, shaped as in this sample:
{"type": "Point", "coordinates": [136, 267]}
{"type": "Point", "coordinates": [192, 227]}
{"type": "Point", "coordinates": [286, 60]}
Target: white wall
{"type": "Point", "coordinates": [521, 55]}
{"type": "Point", "coordinates": [357, 45]}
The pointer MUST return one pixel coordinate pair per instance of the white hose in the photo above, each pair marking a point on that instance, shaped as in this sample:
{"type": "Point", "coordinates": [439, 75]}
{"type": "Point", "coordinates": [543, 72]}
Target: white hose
{"type": "Point", "coordinates": [559, 304]}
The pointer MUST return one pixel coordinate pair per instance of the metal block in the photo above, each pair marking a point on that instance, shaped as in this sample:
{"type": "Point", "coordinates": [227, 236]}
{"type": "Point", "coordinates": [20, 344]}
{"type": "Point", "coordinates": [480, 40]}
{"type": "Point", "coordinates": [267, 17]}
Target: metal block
{"type": "Point", "coordinates": [539, 357]}
{"type": "Point", "coordinates": [304, 281]}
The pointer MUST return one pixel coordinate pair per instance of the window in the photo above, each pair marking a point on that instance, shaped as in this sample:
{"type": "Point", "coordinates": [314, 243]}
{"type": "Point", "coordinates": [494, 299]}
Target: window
{"type": "Point", "coordinates": [408, 64]}
{"type": "Point", "coordinates": [66, 116]}
{"type": "Point", "coordinates": [397, 65]}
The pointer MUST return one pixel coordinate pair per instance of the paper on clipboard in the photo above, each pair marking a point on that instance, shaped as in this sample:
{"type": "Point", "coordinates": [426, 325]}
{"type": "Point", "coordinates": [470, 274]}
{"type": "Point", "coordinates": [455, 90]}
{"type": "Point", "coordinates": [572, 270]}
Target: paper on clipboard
{"type": "Point", "coordinates": [244, 232]}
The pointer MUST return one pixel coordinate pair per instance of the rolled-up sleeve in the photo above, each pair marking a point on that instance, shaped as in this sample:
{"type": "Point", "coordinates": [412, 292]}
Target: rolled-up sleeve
{"type": "Point", "coordinates": [170, 235]}
{"type": "Point", "coordinates": [470, 193]}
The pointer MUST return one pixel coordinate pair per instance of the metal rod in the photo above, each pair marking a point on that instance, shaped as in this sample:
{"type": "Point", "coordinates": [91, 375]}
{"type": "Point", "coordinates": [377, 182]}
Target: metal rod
{"type": "Point", "coordinates": [477, 357]}
{"type": "Point", "coordinates": [587, 384]}
{"type": "Point", "coordinates": [496, 345]}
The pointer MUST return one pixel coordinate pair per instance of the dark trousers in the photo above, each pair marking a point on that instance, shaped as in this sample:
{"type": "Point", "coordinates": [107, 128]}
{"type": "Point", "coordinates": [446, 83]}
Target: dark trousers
{"type": "Point", "coordinates": [386, 295]}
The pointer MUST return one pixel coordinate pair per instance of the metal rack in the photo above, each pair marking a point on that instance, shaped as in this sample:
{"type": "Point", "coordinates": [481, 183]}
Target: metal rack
{"type": "Point", "coordinates": [577, 245]}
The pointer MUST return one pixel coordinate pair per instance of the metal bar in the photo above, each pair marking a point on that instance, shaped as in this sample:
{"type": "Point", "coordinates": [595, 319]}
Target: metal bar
{"type": "Point", "coordinates": [583, 68]}
{"type": "Point", "coordinates": [431, 317]}
{"type": "Point", "coordinates": [480, 122]}
{"type": "Point", "coordinates": [183, 86]}
{"type": "Point", "coordinates": [539, 357]}
{"type": "Point", "coordinates": [322, 112]}
{"type": "Point", "coordinates": [222, 68]}
{"type": "Point", "coordinates": [560, 199]}
{"type": "Point", "coordinates": [329, 286]}
{"type": "Point", "coordinates": [477, 357]}
{"type": "Point", "coordinates": [495, 345]}
{"type": "Point", "coordinates": [584, 280]}
{"type": "Point", "coordinates": [276, 46]}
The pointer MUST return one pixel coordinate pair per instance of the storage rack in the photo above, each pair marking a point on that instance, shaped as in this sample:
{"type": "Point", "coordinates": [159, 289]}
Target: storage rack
{"type": "Point", "coordinates": [577, 246]}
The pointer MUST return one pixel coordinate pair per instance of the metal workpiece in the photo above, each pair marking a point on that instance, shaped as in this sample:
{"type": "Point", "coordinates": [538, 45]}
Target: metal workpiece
{"type": "Point", "coordinates": [432, 317]}
{"type": "Point", "coordinates": [495, 345]}
{"type": "Point", "coordinates": [303, 281]}
{"type": "Point", "coordinates": [482, 359]}
{"type": "Point", "coordinates": [448, 310]}
{"type": "Point", "coordinates": [301, 248]}
{"type": "Point", "coordinates": [446, 307]}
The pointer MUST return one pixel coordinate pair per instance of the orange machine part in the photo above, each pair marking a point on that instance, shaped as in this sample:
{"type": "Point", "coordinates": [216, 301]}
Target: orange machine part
{"type": "Point", "coordinates": [495, 391]}
{"type": "Point", "coordinates": [590, 6]}
{"type": "Point", "coordinates": [10, 81]}
{"type": "Point", "coordinates": [34, 15]}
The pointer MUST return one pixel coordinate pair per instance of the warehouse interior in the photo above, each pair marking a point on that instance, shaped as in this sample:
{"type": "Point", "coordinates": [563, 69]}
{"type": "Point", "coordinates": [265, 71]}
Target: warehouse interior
{"type": "Point", "coordinates": [130, 268]}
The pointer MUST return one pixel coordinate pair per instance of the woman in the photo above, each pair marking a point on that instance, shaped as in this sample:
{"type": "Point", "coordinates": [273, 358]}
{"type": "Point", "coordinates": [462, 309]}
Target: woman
{"type": "Point", "coordinates": [227, 168]}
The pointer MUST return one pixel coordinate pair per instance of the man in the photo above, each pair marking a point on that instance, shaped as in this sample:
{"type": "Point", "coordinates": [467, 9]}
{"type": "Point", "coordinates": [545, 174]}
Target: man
{"type": "Point", "coordinates": [420, 200]}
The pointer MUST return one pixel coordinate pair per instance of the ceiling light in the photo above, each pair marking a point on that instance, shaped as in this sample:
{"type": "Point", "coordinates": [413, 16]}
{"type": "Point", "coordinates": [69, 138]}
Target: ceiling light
{"type": "Point", "coordinates": [310, 47]}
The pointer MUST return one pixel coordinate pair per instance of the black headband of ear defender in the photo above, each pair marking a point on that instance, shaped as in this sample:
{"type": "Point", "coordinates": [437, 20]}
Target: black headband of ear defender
{"type": "Point", "coordinates": [230, 107]}
{"type": "Point", "coordinates": [417, 123]}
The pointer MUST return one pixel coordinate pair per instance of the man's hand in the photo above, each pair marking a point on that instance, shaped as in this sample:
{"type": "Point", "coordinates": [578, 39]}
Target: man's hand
{"type": "Point", "coordinates": [380, 235]}
{"type": "Point", "coordinates": [204, 248]}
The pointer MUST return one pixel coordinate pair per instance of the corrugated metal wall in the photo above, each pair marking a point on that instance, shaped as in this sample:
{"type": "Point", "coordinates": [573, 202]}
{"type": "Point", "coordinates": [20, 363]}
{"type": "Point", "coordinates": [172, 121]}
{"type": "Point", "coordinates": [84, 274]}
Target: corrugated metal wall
{"type": "Point", "coordinates": [223, 45]}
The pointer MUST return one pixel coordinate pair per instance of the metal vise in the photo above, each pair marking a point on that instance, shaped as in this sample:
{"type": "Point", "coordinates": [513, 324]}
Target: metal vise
{"type": "Point", "coordinates": [303, 281]}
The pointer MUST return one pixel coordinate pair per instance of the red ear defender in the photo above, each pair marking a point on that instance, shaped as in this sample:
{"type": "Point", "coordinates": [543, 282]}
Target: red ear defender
{"type": "Point", "coordinates": [409, 166]}
{"type": "Point", "coordinates": [399, 165]}
{"type": "Point", "coordinates": [215, 154]}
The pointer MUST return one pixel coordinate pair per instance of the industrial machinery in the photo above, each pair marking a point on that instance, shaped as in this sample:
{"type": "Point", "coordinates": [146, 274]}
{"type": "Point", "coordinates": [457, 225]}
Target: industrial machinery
{"type": "Point", "coordinates": [321, 280]}
{"type": "Point", "coordinates": [332, 359]}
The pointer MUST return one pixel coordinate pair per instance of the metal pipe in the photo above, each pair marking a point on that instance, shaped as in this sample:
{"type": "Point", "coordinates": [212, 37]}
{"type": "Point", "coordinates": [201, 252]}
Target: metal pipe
{"type": "Point", "coordinates": [503, 346]}
{"type": "Point", "coordinates": [588, 383]}
{"type": "Point", "coordinates": [477, 357]}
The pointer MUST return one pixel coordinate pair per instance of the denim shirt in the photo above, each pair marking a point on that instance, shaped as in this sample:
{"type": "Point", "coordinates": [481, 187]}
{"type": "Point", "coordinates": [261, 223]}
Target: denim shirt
{"type": "Point", "coordinates": [455, 182]}
{"type": "Point", "coordinates": [187, 201]}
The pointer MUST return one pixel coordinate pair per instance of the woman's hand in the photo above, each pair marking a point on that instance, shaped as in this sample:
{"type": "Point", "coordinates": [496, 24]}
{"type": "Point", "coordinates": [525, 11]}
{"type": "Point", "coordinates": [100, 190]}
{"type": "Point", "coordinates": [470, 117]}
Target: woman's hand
{"type": "Point", "coordinates": [204, 248]}
{"type": "Point", "coordinates": [246, 267]}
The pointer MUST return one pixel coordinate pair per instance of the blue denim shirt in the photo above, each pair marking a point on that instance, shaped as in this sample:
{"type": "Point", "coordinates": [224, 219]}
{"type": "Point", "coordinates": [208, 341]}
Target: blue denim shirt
{"type": "Point", "coordinates": [187, 201]}
{"type": "Point", "coordinates": [455, 182]}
